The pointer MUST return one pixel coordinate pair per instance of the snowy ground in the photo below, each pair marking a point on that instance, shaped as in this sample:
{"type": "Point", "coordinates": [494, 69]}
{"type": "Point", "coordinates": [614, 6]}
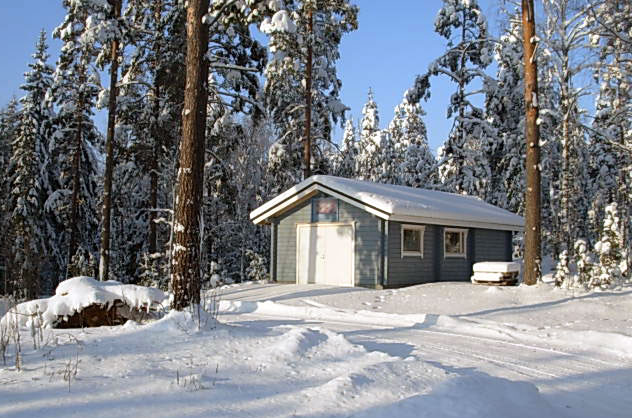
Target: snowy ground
{"type": "Point", "coordinates": [437, 350]}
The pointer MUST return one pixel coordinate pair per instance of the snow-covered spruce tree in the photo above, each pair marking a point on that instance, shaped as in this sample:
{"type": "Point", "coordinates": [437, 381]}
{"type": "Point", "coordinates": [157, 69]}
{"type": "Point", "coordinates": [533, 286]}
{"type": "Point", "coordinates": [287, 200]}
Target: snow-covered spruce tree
{"type": "Point", "coordinates": [550, 156]}
{"type": "Point", "coordinates": [9, 118]}
{"type": "Point", "coordinates": [304, 41]}
{"type": "Point", "coordinates": [130, 204]}
{"type": "Point", "coordinates": [564, 39]}
{"type": "Point", "coordinates": [345, 160]}
{"type": "Point", "coordinates": [29, 182]}
{"type": "Point", "coordinates": [75, 144]}
{"type": "Point", "coordinates": [234, 186]}
{"type": "Point", "coordinates": [369, 160]}
{"type": "Point", "coordinates": [611, 139]}
{"type": "Point", "coordinates": [155, 68]}
{"type": "Point", "coordinates": [463, 167]}
{"type": "Point", "coordinates": [562, 270]}
{"type": "Point", "coordinates": [414, 162]}
{"type": "Point", "coordinates": [610, 251]}
{"type": "Point", "coordinates": [504, 108]}
{"type": "Point", "coordinates": [585, 263]}
{"type": "Point", "coordinates": [149, 112]}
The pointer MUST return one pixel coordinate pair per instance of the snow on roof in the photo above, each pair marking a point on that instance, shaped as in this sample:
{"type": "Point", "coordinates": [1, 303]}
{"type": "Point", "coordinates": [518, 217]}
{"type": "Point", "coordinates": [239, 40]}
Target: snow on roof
{"type": "Point", "coordinates": [398, 203]}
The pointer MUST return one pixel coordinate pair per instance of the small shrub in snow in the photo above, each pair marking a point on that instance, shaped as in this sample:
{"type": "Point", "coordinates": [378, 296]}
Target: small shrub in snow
{"type": "Point", "coordinates": [562, 271]}
{"type": "Point", "coordinates": [605, 268]}
{"type": "Point", "coordinates": [585, 263]}
{"type": "Point", "coordinates": [83, 263]}
{"type": "Point", "coordinates": [154, 270]}
{"type": "Point", "coordinates": [256, 269]}
{"type": "Point", "coordinates": [609, 250]}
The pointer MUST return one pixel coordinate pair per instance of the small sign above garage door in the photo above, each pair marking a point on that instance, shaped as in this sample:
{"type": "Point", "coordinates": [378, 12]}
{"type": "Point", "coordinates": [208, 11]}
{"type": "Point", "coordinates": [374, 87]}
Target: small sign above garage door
{"type": "Point", "coordinates": [324, 254]}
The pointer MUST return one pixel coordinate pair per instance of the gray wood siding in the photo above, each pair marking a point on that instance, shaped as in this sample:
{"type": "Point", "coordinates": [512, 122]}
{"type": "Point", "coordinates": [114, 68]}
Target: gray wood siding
{"type": "Point", "coordinates": [454, 268]}
{"type": "Point", "coordinates": [286, 241]}
{"type": "Point", "coordinates": [367, 242]}
{"type": "Point", "coordinates": [410, 270]}
{"type": "Point", "coordinates": [491, 245]}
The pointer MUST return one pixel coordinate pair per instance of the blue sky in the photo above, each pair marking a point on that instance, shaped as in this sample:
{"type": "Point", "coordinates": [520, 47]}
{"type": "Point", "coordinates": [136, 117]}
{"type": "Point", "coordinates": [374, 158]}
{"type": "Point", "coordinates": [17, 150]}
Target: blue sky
{"type": "Point", "coordinates": [394, 43]}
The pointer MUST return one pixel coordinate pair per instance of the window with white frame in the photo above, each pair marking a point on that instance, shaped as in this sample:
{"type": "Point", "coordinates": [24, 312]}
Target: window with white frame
{"type": "Point", "coordinates": [412, 241]}
{"type": "Point", "coordinates": [454, 242]}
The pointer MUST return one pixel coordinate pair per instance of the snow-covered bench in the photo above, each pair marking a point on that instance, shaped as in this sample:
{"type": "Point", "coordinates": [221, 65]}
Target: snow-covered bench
{"type": "Point", "coordinates": [500, 273]}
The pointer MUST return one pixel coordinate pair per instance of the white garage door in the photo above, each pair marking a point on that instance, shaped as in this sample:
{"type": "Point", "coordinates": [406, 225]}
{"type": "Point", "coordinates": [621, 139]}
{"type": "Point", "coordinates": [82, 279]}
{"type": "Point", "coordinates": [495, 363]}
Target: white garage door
{"type": "Point", "coordinates": [325, 254]}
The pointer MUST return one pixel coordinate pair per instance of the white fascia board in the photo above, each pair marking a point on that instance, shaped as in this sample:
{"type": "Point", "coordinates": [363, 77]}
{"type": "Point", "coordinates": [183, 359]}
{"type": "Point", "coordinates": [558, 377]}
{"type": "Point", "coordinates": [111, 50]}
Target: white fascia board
{"type": "Point", "coordinates": [262, 213]}
{"type": "Point", "coordinates": [452, 222]}
{"type": "Point", "coordinates": [271, 204]}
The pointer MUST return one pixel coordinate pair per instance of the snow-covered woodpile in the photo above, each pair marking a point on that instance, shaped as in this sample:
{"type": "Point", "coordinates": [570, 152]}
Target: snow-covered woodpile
{"type": "Point", "coordinates": [84, 302]}
{"type": "Point", "coordinates": [496, 273]}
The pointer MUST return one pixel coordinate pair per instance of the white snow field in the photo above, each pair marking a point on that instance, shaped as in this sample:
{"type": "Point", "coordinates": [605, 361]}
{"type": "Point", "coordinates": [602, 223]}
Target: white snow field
{"type": "Point", "coordinates": [435, 350]}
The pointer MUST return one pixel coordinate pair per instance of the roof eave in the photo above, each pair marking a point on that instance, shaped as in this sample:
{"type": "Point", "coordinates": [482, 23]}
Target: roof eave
{"type": "Point", "coordinates": [459, 223]}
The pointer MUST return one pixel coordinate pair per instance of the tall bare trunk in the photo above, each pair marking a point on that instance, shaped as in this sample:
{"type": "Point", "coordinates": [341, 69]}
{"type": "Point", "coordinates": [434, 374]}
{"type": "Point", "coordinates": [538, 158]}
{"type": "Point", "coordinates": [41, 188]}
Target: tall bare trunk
{"type": "Point", "coordinates": [185, 275]}
{"type": "Point", "coordinates": [532, 257]}
{"type": "Point", "coordinates": [307, 146]}
{"type": "Point", "coordinates": [156, 132]}
{"type": "Point", "coordinates": [104, 260]}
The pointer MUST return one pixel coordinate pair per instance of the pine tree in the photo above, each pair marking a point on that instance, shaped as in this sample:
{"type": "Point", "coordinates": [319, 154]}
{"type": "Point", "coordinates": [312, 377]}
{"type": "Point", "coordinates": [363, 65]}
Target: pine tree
{"type": "Point", "coordinates": [533, 224]}
{"type": "Point", "coordinates": [9, 118]}
{"type": "Point", "coordinates": [185, 275]}
{"type": "Point", "coordinates": [113, 39]}
{"type": "Point", "coordinates": [610, 251]}
{"type": "Point", "coordinates": [504, 108]}
{"type": "Point", "coordinates": [369, 159]}
{"type": "Point", "coordinates": [29, 188]}
{"type": "Point", "coordinates": [462, 164]}
{"type": "Point", "coordinates": [564, 40]}
{"type": "Point", "coordinates": [345, 160]}
{"type": "Point", "coordinates": [413, 159]}
{"type": "Point", "coordinates": [304, 41]}
{"type": "Point", "coordinates": [75, 144]}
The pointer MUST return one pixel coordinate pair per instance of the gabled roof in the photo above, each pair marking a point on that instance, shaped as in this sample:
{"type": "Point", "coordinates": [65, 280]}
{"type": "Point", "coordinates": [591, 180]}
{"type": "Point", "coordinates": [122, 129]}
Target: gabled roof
{"type": "Point", "coordinates": [395, 203]}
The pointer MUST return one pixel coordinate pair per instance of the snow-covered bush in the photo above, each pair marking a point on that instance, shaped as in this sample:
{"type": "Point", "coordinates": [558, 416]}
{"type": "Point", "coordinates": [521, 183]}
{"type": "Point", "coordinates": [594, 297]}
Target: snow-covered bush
{"type": "Point", "coordinates": [154, 271]}
{"type": "Point", "coordinates": [83, 263]}
{"type": "Point", "coordinates": [604, 267]}
{"type": "Point", "coordinates": [585, 263]}
{"type": "Point", "coordinates": [256, 269]}
{"type": "Point", "coordinates": [562, 271]}
{"type": "Point", "coordinates": [609, 250]}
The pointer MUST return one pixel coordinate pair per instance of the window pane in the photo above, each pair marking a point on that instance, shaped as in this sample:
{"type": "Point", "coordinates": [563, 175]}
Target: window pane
{"type": "Point", "coordinates": [325, 210]}
{"type": "Point", "coordinates": [453, 242]}
{"type": "Point", "coordinates": [412, 240]}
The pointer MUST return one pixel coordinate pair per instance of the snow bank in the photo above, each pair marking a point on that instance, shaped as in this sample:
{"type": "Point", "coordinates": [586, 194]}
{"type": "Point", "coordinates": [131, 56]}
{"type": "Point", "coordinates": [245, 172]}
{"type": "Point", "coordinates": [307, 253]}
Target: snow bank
{"type": "Point", "coordinates": [73, 295]}
{"type": "Point", "coordinates": [472, 396]}
{"type": "Point", "coordinates": [322, 313]}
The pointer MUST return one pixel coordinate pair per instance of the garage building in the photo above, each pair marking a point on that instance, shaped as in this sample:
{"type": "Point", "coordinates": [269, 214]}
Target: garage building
{"type": "Point", "coordinates": [339, 231]}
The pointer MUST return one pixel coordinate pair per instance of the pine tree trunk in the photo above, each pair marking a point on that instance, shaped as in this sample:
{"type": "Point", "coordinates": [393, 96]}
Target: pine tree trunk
{"type": "Point", "coordinates": [153, 175]}
{"type": "Point", "coordinates": [532, 256]}
{"type": "Point", "coordinates": [185, 275]}
{"type": "Point", "coordinates": [76, 166]}
{"type": "Point", "coordinates": [104, 261]}
{"type": "Point", "coordinates": [307, 146]}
